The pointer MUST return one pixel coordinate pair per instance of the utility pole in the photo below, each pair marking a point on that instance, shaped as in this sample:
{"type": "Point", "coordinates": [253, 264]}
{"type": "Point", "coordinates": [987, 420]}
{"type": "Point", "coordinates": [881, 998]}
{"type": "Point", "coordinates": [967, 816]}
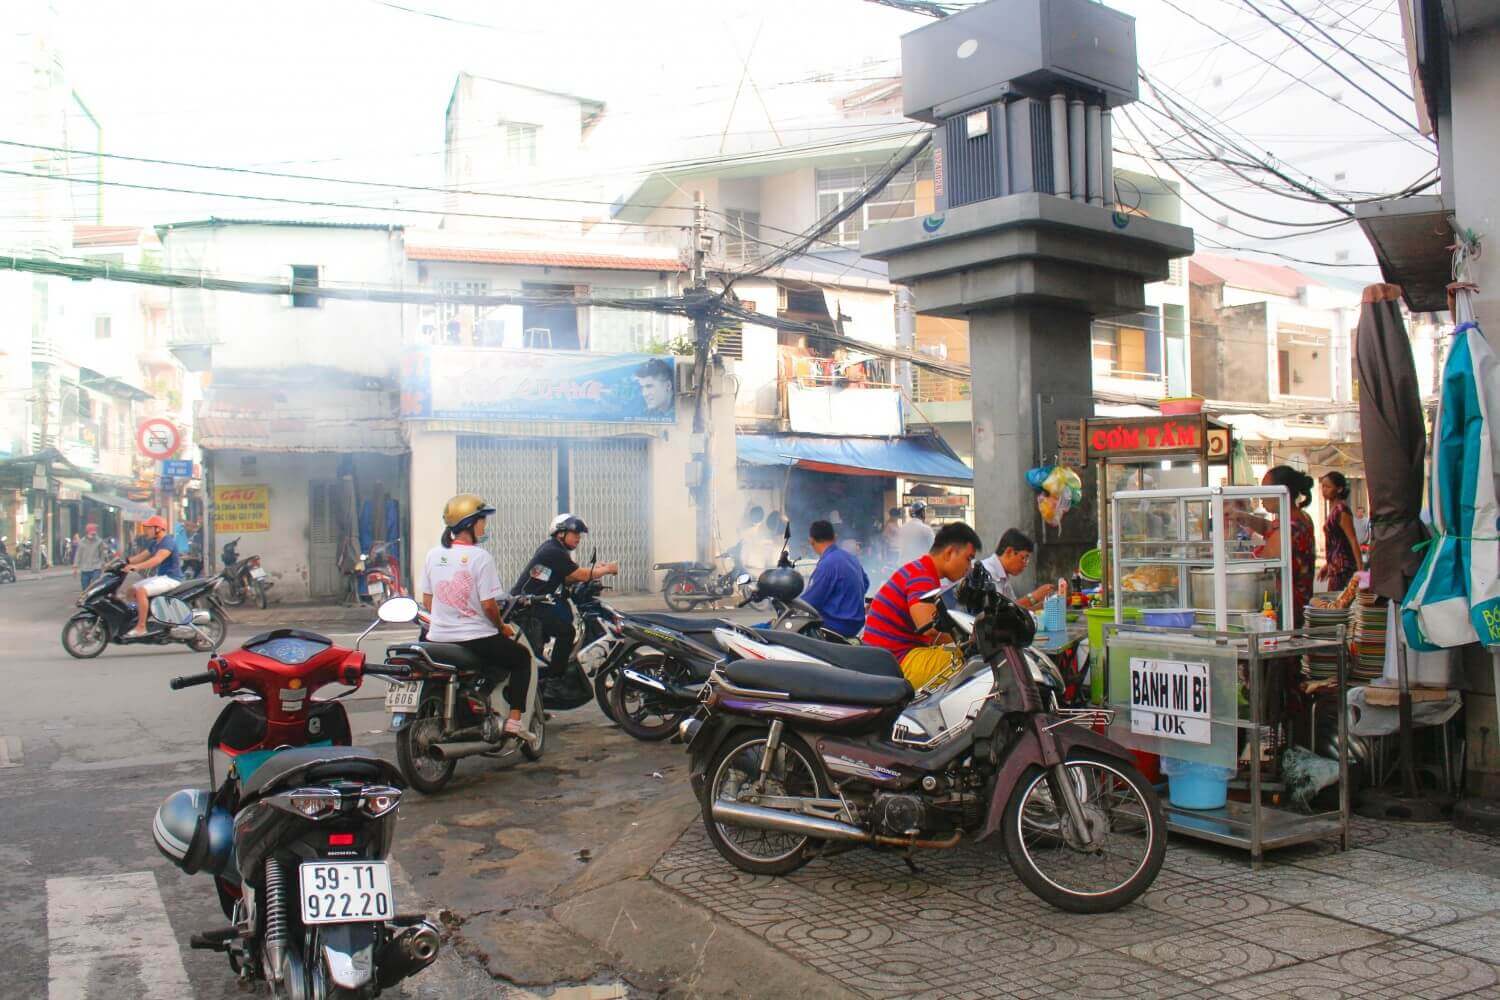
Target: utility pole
{"type": "Point", "coordinates": [702, 348]}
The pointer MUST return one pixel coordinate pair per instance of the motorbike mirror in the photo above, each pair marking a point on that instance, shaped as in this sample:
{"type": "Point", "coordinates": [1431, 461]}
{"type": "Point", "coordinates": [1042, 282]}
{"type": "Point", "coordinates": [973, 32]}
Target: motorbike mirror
{"type": "Point", "coordinates": [742, 579]}
{"type": "Point", "coordinates": [398, 610]}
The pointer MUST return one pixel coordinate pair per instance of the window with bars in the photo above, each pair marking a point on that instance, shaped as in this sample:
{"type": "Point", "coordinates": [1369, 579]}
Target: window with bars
{"type": "Point", "coordinates": [624, 331]}
{"type": "Point", "coordinates": [838, 186]}
{"type": "Point", "coordinates": [1128, 346]}
{"type": "Point", "coordinates": [741, 234]}
{"type": "Point", "coordinates": [457, 322]}
{"type": "Point", "coordinates": [519, 141]}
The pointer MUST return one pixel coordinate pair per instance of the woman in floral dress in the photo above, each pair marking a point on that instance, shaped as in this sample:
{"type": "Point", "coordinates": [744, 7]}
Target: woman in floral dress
{"type": "Point", "coordinates": [1341, 558]}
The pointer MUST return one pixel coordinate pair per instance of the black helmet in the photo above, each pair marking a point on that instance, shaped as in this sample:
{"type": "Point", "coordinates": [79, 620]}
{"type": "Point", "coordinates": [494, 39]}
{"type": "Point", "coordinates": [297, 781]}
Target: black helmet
{"type": "Point", "coordinates": [569, 522]}
{"type": "Point", "coordinates": [781, 583]}
{"type": "Point", "coordinates": [1003, 623]}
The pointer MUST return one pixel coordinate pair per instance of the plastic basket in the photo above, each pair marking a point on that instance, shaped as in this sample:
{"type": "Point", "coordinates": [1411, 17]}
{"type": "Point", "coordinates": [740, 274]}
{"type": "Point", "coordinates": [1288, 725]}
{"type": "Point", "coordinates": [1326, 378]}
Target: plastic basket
{"type": "Point", "coordinates": [1191, 785]}
{"type": "Point", "coordinates": [1091, 565]}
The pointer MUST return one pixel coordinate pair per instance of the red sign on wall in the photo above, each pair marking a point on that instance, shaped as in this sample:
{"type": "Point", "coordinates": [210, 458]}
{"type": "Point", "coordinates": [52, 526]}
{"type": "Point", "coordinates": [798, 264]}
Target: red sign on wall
{"type": "Point", "coordinates": [1135, 437]}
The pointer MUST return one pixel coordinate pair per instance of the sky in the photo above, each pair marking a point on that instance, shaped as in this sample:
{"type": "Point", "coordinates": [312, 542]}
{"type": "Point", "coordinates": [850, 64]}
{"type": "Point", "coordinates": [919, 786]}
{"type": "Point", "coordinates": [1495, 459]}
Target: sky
{"type": "Point", "coordinates": [357, 88]}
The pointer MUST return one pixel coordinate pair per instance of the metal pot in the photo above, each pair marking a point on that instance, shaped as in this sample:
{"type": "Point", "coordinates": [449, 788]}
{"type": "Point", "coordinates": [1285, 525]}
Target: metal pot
{"type": "Point", "coordinates": [1246, 587]}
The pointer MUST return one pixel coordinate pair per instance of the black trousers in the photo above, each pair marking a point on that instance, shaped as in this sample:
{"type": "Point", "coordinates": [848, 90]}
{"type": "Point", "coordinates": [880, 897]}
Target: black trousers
{"type": "Point", "coordinates": [504, 660]}
{"type": "Point", "coordinates": [556, 622]}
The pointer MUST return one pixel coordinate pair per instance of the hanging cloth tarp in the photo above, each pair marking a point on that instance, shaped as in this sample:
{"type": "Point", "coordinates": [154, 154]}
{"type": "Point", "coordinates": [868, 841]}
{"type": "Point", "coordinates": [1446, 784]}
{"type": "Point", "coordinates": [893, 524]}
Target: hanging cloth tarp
{"type": "Point", "coordinates": [1455, 597]}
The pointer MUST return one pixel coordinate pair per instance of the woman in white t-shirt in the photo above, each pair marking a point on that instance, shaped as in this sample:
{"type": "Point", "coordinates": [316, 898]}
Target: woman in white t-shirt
{"type": "Point", "coordinates": [461, 590]}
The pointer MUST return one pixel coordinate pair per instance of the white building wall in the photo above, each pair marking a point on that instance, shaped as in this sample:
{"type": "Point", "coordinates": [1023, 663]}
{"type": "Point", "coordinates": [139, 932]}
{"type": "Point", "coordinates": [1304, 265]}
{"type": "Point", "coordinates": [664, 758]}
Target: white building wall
{"type": "Point", "coordinates": [267, 331]}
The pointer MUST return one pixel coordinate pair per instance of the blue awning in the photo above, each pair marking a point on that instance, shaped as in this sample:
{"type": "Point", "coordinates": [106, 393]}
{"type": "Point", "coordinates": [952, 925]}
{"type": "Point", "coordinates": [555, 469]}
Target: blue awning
{"type": "Point", "coordinates": [922, 457]}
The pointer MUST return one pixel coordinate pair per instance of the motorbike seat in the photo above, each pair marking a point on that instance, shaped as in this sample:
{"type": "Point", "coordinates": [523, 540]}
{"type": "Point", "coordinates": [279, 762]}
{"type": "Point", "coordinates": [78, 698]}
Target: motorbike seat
{"type": "Point", "coordinates": [678, 623]}
{"type": "Point", "coordinates": [870, 660]}
{"type": "Point", "coordinates": [815, 682]}
{"type": "Point", "coordinates": [459, 657]}
{"type": "Point", "coordinates": [306, 765]}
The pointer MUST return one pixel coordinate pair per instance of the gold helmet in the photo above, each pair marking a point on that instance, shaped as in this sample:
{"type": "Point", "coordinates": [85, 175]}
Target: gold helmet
{"type": "Point", "coordinates": [464, 509]}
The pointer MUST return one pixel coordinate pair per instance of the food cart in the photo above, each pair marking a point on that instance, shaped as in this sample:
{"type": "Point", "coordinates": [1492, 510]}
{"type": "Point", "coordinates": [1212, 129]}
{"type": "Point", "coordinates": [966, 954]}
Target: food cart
{"type": "Point", "coordinates": [1134, 453]}
{"type": "Point", "coordinates": [1208, 697]}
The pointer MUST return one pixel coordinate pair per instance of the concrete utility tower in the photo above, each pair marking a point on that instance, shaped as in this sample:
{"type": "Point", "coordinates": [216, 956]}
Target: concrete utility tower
{"type": "Point", "coordinates": [1027, 243]}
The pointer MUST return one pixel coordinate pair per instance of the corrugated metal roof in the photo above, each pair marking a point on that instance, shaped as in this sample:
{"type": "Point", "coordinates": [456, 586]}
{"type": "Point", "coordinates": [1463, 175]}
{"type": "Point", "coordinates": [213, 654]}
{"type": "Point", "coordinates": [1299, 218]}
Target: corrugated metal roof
{"type": "Point", "coordinates": [314, 419]}
{"type": "Point", "coordinates": [1208, 269]}
{"type": "Point", "coordinates": [545, 258]}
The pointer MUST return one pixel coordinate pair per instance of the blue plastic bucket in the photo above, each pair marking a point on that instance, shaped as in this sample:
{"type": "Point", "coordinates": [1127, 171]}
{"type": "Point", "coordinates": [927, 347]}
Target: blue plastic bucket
{"type": "Point", "coordinates": [1191, 785]}
{"type": "Point", "coordinates": [1169, 617]}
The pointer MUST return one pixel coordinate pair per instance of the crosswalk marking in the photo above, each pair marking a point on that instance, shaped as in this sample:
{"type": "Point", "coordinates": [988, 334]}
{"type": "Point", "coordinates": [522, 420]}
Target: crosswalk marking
{"type": "Point", "coordinates": [117, 924]}
{"type": "Point", "coordinates": [6, 758]}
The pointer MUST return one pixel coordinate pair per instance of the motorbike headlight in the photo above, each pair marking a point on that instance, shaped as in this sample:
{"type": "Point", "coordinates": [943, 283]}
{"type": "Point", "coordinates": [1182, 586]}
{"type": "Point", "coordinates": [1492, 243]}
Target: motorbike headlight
{"type": "Point", "coordinates": [376, 802]}
{"type": "Point", "coordinates": [315, 803]}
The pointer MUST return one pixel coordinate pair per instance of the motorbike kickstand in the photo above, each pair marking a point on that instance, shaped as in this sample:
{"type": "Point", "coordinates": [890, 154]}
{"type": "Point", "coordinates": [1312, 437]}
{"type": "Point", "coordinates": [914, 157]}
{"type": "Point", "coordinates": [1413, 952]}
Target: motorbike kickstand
{"type": "Point", "coordinates": [773, 743]}
{"type": "Point", "coordinates": [911, 865]}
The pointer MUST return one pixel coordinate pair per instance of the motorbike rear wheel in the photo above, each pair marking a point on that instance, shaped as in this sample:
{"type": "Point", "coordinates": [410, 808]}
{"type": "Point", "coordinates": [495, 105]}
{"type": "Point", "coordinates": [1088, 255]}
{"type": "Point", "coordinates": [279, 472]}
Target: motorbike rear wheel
{"type": "Point", "coordinates": [683, 592]}
{"type": "Point", "coordinates": [422, 771]}
{"type": "Point", "coordinates": [538, 726]}
{"type": "Point", "coordinates": [641, 711]}
{"type": "Point", "coordinates": [260, 594]}
{"type": "Point", "coordinates": [1123, 814]}
{"type": "Point", "coordinates": [7, 573]}
{"type": "Point", "coordinates": [734, 771]}
{"type": "Point", "coordinates": [85, 637]}
{"type": "Point", "coordinates": [231, 593]}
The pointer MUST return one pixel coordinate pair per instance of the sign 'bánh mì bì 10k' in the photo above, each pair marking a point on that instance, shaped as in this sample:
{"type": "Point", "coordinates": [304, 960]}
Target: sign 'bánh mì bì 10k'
{"type": "Point", "coordinates": [1170, 699]}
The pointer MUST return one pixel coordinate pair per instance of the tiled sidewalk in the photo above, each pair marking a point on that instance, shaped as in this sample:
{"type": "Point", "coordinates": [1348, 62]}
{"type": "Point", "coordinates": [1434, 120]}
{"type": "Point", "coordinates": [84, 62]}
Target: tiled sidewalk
{"type": "Point", "coordinates": [1410, 912]}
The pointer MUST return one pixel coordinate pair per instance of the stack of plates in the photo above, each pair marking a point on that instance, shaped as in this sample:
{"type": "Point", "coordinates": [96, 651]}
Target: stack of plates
{"type": "Point", "coordinates": [1324, 664]}
{"type": "Point", "coordinates": [1369, 631]}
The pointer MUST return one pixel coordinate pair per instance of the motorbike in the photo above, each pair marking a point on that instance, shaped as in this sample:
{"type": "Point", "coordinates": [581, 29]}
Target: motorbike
{"type": "Point", "coordinates": [980, 750]}
{"type": "Point", "coordinates": [192, 563]}
{"type": "Point", "coordinates": [297, 835]}
{"type": "Point", "coordinates": [189, 614]}
{"type": "Point", "coordinates": [380, 572]}
{"type": "Point", "coordinates": [439, 713]}
{"type": "Point", "coordinates": [689, 584]}
{"type": "Point", "coordinates": [7, 569]}
{"type": "Point", "coordinates": [243, 578]}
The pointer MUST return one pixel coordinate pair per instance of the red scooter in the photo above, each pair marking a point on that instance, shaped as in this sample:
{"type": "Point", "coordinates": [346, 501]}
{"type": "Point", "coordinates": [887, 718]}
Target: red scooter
{"type": "Point", "coordinates": [298, 832]}
{"type": "Point", "coordinates": [381, 572]}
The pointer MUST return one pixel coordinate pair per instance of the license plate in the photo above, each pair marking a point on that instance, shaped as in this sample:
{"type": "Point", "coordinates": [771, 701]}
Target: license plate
{"type": "Point", "coordinates": [346, 892]}
{"type": "Point", "coordinates": [256, 573]}
{"type": "Point", "coordinates": [377, 590]}
{"type": "Point", "coordinates": [403, 696]}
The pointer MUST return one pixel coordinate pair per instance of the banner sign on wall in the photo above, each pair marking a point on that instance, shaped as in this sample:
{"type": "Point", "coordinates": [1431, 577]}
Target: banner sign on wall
{"type": "Point", "coordinates": [242, 509]}
{"type": "Point", "coordinates": [461, 383]}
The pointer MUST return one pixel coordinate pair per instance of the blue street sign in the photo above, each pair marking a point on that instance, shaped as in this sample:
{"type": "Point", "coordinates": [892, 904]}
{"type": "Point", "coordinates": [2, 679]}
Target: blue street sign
{"type": "Point", "coordinates": [176, 468]}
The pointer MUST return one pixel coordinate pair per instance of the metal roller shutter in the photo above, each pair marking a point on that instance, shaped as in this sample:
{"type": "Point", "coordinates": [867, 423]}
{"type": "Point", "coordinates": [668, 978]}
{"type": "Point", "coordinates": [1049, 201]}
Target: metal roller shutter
{"type": "Point", "coordinates": [518, 477]}
{"type": "Point", "coordinates": [609, 486]}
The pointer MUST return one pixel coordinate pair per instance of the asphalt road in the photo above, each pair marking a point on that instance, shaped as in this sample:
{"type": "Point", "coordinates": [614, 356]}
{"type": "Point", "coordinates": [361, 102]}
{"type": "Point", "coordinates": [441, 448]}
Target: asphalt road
{"type": "Point", "coordinates": [89, 908]}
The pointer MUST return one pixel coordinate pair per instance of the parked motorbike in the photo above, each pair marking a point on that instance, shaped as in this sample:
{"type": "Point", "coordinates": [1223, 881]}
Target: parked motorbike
{"type": "Point", "coordinates": [192, 563]}
{"type": "Point", "coordinates": [7, 569]}
{"type": "Point", "coordinates": [190, 614]}
{"type": "Point", "coordinates": [243, 578]}
{"type": "Point", "coordinates": [980, 751]}
{"type": "Point", "coordinates": [440, 716]}
{"type": "Point", "coordinates": [380, 572]}
{"type": "Point", "coordinates": [690, 584]}
{"type": "Point", "coordinates": [298, 833]}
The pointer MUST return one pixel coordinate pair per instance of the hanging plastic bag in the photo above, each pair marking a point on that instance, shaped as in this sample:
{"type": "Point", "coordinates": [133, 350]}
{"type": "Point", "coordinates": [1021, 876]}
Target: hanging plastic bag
{"type": "Point", "coordinates": [1036, 477]}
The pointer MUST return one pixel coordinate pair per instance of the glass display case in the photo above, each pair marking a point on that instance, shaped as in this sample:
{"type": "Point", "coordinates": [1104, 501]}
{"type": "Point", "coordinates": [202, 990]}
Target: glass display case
{"type": "Point", "coordinates": [1195, 549]}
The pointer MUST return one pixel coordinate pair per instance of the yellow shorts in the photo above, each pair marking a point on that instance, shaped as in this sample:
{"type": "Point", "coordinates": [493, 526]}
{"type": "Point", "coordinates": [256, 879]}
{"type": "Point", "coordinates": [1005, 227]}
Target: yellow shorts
{"type": "Point", "coordinates": [925, 662]}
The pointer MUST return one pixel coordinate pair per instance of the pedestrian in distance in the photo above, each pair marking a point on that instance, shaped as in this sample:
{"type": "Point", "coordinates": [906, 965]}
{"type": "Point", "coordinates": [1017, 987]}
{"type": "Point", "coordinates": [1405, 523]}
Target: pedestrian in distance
{"type": "Point", "coordinates": [1340, 537]}
{"type": "Point", "coordinates": [88, 557]}
{"type": "Point", "coordinates": [915, 536]}
{"type": "Point", "coordinates": [838, 585]}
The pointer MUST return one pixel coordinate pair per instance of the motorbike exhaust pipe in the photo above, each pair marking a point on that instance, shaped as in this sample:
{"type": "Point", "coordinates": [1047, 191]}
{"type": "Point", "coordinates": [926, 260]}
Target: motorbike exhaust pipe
{"type": "Point", "coordinates": [420, 943]}
{"type": "Point", "coordinates": [684, 692]}
{"type": "Point", "coordinates": [782, 821]}
{"type": "Point", "coordinates": [410, 950]}
{"type": "Point", "coordinates": [458, 751]}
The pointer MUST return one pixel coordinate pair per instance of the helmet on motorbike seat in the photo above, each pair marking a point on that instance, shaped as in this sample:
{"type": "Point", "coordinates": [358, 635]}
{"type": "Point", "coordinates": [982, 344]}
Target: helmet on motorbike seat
{"type": "Point", "coordinates": [781, 583]}
{"type": "Point", "coordinates": [975, 588]}
{"type": "Point", "coordinates": [1003, 622]}
{"type": "Point", "coordinates": [463, 510]}
{"type": "Point", "coordinates": [563, 523]}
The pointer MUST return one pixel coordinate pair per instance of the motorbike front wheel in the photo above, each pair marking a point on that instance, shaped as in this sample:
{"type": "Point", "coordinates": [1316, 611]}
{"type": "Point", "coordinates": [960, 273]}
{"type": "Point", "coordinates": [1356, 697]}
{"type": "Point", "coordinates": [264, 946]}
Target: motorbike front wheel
{"type": "Point", "coordinates": [538, 726]}
{"type": "Point", "coordinates": [7, 573]}
{"type": "Point", "coordinates": [644, 712]}
{"type": "Point", "coordinates": [424, 772]}
{"type": "Point", "coordinates": [604, 682]}
{"type": "Point", "coordinates": [1122, 851]}
{"type": "Point", "coordinates": [85, 637]}
{"type": "Point", "coordinates": [683, 592]}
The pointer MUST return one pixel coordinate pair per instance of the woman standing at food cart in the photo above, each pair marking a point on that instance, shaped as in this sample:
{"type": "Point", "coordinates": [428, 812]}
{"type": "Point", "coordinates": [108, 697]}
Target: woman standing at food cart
{"type": "Point", "coordinates": [1299, 486]}
{"type": "Point", "coordinates": [1340, 539]}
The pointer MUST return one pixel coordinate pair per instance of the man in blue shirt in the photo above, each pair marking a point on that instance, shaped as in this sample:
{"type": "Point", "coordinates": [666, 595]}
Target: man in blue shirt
{"type": "Point", "coordinates": [162, 557]}
{"type": "Point", "coordinates": [838, 583]}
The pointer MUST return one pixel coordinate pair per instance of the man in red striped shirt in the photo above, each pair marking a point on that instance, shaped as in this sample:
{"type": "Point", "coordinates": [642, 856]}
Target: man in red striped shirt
{"type": "Point", "coordinates": [902, 608]}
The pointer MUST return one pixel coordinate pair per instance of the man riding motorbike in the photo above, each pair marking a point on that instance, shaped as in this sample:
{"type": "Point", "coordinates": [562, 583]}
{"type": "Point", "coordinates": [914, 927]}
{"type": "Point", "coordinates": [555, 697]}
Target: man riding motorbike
{"type": "Point", "coordinates": [550, 567]}
{"type": "Point", "coordinates": [461, 590]}
{"type": "Point", "coordinates": [160, 554]}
